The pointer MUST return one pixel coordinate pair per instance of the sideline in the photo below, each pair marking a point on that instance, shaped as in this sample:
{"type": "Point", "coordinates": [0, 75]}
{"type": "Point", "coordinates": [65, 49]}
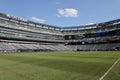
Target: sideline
{"type": "Point", "coordinates": [102, 77]}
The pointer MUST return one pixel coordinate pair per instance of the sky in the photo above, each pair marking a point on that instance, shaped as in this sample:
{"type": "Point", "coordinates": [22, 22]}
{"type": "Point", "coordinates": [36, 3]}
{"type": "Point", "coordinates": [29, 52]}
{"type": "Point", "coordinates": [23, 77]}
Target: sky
{"type": "Point", "coordinates": [63, 12]}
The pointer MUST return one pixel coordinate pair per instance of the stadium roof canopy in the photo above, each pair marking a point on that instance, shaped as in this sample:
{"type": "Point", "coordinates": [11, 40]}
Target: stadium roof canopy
{"type": "Point", "coordinates": [47, 26]}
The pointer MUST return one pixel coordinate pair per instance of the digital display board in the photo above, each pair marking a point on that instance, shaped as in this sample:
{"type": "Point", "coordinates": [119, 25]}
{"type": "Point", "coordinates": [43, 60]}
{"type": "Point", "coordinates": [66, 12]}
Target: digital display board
{"type": "Point", "coordinates": [72, 37]}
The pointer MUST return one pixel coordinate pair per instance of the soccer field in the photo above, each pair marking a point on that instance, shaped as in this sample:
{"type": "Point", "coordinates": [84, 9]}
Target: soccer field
{"type": "Point", "coordinates": [60, 65]}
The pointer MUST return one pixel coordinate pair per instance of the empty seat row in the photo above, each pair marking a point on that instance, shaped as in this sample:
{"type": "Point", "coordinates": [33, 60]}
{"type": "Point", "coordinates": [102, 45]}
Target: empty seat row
{"type": "Point", "coordinates": [15, 47]}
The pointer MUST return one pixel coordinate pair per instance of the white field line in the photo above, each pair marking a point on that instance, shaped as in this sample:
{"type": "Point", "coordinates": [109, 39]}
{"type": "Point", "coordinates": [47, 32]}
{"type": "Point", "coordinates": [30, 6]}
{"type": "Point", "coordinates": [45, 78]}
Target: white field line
{"type": "Point", "coordinates": [102, 77]}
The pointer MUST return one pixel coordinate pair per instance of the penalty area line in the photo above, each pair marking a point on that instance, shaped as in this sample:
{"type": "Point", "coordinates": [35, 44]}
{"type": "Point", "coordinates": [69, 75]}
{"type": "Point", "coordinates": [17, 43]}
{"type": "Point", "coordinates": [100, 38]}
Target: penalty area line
{"type": "Point", "coordinates": [102, 77]}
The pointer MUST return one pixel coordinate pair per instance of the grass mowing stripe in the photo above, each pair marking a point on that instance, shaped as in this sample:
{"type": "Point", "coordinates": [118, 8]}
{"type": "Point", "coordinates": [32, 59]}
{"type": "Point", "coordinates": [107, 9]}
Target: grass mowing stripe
{"type": "Point", "coordinates": [59, 65]}
{"type": "Point", "coordinates": [101, 78]}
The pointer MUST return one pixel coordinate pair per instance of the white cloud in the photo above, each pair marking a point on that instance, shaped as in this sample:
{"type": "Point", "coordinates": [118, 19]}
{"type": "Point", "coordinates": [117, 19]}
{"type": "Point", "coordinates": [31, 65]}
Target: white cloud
{"type": "Point", "coordinates": [37, 20]}
{"type": "Point", "coordinates": [67, 12]}
{"type": "Point", "coordinates": [89, 23]}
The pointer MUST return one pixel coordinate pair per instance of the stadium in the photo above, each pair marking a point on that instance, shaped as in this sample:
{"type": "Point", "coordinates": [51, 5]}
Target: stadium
{"type": "Point", "coordinates": [21, 35]}
{"type": "Point", "coordinates": [67, 53]}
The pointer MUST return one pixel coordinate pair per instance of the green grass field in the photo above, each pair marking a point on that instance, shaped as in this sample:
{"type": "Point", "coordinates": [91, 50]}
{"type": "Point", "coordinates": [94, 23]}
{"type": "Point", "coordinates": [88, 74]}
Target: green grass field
{"type": "Point", "coordinates": [59, 65]}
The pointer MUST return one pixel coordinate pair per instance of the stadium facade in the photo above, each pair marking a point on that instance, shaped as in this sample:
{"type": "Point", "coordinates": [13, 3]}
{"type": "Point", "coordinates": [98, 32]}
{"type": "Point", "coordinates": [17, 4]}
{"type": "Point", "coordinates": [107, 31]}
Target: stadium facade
{"type": "Point", "coordinates": [21, 35]}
